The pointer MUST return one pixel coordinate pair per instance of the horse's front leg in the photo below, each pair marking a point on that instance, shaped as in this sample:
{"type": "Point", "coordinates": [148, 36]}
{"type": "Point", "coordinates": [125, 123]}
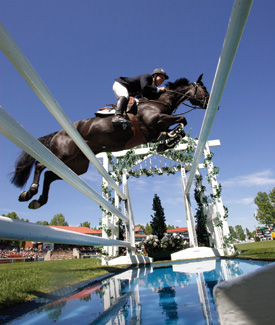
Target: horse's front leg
{"type": "Point", "coordinates": [165, 121]}
{"type": "Point", "coordinates": [174, 136]}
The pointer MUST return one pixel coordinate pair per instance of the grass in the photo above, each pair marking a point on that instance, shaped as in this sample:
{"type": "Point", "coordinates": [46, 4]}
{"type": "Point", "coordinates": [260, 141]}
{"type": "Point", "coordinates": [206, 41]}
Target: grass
{"type": "Point", "coordinates": [20, 282]}
{"type": "Point", "coordinates": [264, 250]}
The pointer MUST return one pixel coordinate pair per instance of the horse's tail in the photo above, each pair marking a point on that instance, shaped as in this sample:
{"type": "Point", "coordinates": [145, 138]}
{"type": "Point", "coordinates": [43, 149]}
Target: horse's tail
{"type": "Point", "coordinates": [25, 162]}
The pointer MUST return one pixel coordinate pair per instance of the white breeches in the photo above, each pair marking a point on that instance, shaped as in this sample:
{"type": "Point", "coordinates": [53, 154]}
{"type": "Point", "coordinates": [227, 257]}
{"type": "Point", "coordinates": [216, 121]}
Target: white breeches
{"type": "Point", "coordinates": [120, 90]}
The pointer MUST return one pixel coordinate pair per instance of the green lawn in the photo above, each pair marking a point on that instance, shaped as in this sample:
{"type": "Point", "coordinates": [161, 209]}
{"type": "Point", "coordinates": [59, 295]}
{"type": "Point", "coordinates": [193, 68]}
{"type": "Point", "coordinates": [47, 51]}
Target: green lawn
{"type": "Point", "coordinates": [20, 282]}
{"type": "Point", "coordinates": [259, 250]}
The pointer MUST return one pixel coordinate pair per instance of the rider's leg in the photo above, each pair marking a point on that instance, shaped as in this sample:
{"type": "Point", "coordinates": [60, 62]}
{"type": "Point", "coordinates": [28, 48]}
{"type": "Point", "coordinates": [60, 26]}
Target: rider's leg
{"type": "Point", "coordinates": [121, 106]}
{"type": "Point", "coordinates": [122, 96]}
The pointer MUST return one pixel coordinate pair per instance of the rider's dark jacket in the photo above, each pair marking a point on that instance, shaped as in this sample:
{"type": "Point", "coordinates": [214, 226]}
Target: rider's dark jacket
{"type": "Point", "coordinates": [140, 85]}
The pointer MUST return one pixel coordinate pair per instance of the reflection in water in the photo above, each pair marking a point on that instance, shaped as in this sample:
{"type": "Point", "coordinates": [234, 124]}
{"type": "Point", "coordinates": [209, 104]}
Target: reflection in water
{"type": "Point", "coordinates": [55, 311]}
{"type": "Point", "coordinates": [167, 294]}
{"type": "Point", "coordinates": [168, 303]}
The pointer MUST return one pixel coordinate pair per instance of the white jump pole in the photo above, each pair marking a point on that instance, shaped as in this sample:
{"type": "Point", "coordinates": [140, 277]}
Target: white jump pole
{"type": "Point", "coordinates": [11, 129]}
{"type": "Point", "coordinates": [21, 230]}
{"type": "Point", "coordinates": [23, 66]}
{"type": "Point", "coordinates": [237, 22]}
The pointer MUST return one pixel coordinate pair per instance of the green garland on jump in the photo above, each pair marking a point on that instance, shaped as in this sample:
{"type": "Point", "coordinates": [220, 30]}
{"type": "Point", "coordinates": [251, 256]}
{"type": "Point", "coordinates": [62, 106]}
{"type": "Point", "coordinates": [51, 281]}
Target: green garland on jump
{"type": "Point", "coordinates": [183, 157]}
{"type": "Point", "coordinates": [131, 159]}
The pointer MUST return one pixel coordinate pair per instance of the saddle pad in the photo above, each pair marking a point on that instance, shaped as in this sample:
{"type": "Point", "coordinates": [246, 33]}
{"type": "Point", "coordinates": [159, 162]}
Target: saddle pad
{"type": "Point", "coordinates": [106, 111]}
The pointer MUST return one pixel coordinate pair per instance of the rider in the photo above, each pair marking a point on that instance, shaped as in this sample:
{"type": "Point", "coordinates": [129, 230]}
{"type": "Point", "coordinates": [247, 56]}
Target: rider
{"type": "Point", "coordinates": [145, 85]}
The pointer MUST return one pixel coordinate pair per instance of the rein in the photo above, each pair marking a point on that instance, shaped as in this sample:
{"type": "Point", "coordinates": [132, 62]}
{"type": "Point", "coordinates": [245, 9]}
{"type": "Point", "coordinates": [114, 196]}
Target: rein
{"type": "Point", "coordinates": [193, 107]}
{"type": "Point", "coordinates": [188, 96]}
{"type": "Point", "coordinates": [169, 106]}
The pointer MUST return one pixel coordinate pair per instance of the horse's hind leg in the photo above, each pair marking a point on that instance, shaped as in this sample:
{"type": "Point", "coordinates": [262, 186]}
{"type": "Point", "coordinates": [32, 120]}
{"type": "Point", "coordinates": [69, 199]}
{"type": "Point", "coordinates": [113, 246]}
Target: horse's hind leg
{"type": "Point", "coordinates": [43, 199]}
{"type": "Point", "coordinates": [27, 195]}
{"type": "Point", "coordinates": [79, 165]}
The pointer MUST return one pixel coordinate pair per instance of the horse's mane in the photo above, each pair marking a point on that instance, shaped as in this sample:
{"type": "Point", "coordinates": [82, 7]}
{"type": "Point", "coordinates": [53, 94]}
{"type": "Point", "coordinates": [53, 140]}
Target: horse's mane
{"type": "Point", "coordinates": [177, 83]}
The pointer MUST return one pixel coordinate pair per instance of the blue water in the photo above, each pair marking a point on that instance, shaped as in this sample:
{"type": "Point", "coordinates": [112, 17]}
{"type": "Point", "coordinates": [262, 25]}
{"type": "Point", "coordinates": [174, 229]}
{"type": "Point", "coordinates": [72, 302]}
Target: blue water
{"type": "Point", "coordinates": [175, 293]}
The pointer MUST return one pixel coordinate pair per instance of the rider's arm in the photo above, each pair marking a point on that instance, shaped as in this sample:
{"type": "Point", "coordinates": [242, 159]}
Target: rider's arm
{"type": "Point", "coordinates": [147, 88]}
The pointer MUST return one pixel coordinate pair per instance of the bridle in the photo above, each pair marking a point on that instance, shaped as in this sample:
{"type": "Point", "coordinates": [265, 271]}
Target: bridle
{"type": "Point", "coordinates": [181, 101]}
{"type": "Point", "coordinates": [203, 102]}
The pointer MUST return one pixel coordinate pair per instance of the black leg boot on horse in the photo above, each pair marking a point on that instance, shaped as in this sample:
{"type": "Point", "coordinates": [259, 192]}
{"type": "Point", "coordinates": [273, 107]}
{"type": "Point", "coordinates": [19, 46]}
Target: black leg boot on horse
{"type": "Point", "coordinates": [173, 138]}
{"type": "Point", "coordinates": [121, 107]}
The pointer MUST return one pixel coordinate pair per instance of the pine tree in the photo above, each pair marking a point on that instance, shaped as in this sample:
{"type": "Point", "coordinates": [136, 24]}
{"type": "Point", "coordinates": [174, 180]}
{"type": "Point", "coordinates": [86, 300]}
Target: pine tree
{"type": "Point", "coordinates": [158, 220]}
{"type": "Point", "coordinates": [201, 218]}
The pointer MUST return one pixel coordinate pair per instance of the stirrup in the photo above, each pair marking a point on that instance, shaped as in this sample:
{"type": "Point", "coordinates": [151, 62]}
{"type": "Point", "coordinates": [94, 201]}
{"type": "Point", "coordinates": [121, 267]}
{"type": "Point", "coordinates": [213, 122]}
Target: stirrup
{"type": "Point", "coordinates": [118, 119]}
{"type": "Point", "coordinates": [121, 121]}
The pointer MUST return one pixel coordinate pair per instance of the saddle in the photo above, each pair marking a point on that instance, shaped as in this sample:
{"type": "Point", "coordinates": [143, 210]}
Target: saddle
{"type": "Point", "coordinates": [138, 137]}
{"type": "Point", "coordinates": [170, 139]}
{"type": "Point", "coordinates": [110, 108]}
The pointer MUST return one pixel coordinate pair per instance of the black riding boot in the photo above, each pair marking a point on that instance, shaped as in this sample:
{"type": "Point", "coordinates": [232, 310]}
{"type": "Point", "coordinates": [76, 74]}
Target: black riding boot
{"type": "Point", "coordinates": [121, 106]}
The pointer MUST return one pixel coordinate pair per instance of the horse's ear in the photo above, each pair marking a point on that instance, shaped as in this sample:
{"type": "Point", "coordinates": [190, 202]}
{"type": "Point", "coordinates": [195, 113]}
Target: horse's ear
{"type": "Point", "coordinates": [200, 78]}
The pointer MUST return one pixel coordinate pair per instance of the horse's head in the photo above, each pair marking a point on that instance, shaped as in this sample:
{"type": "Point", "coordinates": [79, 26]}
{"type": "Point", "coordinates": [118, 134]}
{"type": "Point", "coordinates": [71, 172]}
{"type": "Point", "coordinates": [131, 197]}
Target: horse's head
{"type": "Point", "coordinates": [195, 92]}
{"type": "Point", "coordinates": [198, 94]}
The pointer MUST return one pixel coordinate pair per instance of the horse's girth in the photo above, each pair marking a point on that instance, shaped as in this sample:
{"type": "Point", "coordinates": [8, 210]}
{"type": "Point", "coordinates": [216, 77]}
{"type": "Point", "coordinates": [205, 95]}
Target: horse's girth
{"type": "Point", "coordinates": [138, 137]}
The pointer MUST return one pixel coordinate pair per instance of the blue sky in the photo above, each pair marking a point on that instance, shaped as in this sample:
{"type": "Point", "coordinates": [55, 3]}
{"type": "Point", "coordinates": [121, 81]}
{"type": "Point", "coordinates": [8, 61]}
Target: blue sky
{"type": "Point", "coordinates": [80, 47]}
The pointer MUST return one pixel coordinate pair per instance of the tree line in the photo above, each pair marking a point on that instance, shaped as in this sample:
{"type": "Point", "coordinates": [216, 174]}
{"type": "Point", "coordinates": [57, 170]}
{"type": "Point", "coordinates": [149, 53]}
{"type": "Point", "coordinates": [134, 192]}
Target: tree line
{"type": "Point", "coordinates": [57, 220]}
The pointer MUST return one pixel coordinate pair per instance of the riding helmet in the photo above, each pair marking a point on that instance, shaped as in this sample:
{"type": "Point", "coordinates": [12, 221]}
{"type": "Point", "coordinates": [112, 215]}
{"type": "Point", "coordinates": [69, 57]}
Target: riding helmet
{"type": "Point", "coordinates": [160, 71]}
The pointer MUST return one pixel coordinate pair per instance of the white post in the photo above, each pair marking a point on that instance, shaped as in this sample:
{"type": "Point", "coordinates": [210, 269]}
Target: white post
{"type": "Point", "coordinates": [130, 227]}
{"type": "Point", "coordinates": [115, 222]}
{"type": "Point", "coordinates": [105, 220]}
{"type": "Point", "coordinates": [238, 18]}
{"type": "Point", "coordinates": [109, 222]}
{"type": "Point", "coordinates": [218, 209]}
{"type": "Point", "coordinates": [188, 212]}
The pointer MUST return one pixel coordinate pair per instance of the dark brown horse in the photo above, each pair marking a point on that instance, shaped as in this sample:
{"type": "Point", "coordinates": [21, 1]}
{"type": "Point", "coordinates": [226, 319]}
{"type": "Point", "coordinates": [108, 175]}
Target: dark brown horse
{"type": "Point", "coordinates": [152, 119]}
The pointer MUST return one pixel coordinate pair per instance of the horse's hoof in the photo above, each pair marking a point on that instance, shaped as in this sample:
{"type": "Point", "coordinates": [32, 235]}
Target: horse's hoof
{"type": "Point", "coordinates": [34, 205]}
{"type": "Point", "coordinates": [23, 196]}
{"type": "Point", "coordinates": [177, 130]}
{"type": "Point", "coordinates": [161, 147]}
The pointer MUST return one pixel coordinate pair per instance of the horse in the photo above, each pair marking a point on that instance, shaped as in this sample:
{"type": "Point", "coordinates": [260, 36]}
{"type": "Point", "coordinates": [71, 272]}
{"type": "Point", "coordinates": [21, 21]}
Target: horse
{"type": "Point", "coordinates": [150, 123]}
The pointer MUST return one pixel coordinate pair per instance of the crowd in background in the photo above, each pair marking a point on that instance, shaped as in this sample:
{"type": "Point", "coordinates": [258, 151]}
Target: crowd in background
{"type": "Point", "coordinates": [33, 254]}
